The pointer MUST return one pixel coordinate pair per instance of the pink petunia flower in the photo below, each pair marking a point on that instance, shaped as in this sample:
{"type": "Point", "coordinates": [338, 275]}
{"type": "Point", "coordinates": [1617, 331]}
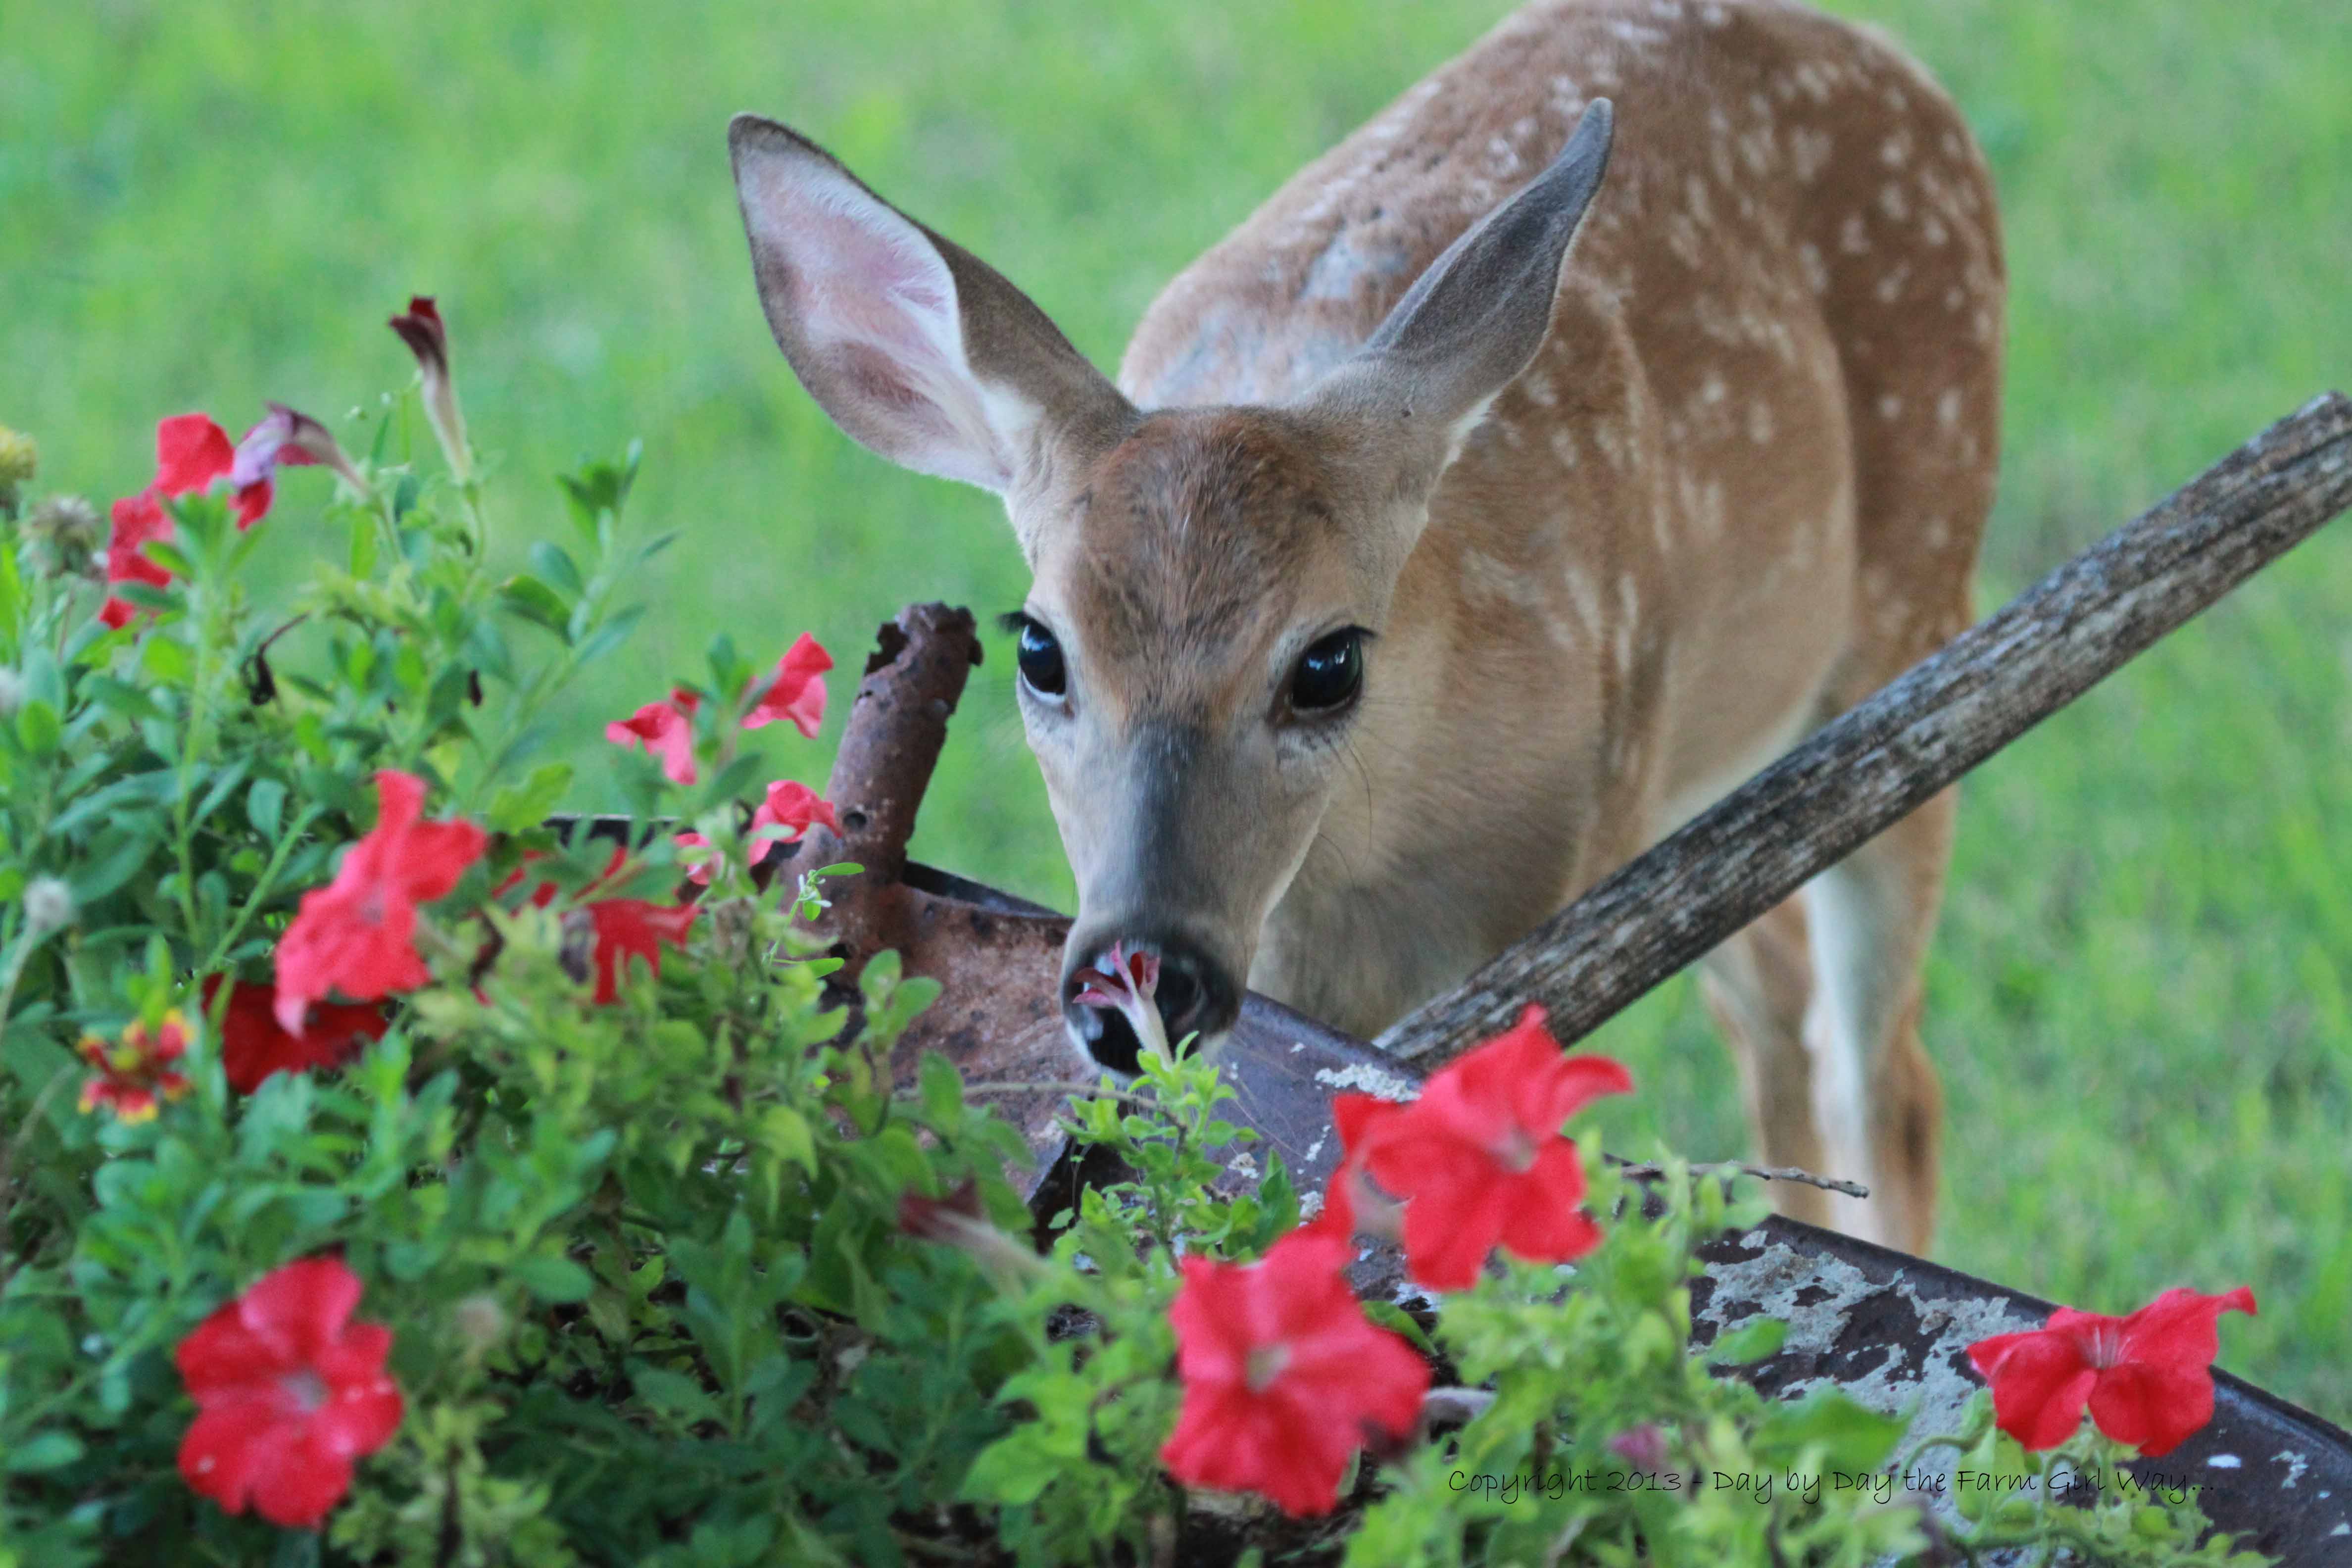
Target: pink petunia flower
{"type": "Point", "coordinates": [795, 693]}
{"type": "Point", "coordinates": [665, 729]}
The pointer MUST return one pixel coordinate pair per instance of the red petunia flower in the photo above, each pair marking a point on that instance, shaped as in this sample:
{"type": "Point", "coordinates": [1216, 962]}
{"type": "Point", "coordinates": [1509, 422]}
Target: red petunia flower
{"type": "Point", "coordinates": [793, 807]}
{"type": "Point", "coordinates": [665, 729]}
{"type": "Point", "coordinates": [2147, 1378]}
{"type": "Point", "coordinates": [356, 935]}
{"type": "Point", "coordinates": [138, 520]}
{"type": "Point", "coordinates": [796, 693]}
{"type": "Point", "coordinates": [253, 1046]}
{"type": "Point", "coordinates": [288, 1392]}
{"type": "Point", "coordinates": [1283, 1377]}
{"type": "Point", "coordinates": [624, 928]}
{"type": "Point", "coordinates": [1478, 1160]}
{"type": "Point", "coordinates": [135, 1074]}
{"type": "Point", "coordinates": [191, 452]}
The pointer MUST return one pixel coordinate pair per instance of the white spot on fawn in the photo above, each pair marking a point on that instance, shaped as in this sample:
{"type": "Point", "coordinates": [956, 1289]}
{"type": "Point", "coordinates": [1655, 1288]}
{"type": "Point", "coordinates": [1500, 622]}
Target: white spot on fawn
{"type": "Point", "coordinates": [1809, 149]}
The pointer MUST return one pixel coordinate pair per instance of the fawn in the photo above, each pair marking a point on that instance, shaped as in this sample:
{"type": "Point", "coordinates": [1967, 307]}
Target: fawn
{"type": "Point", "coordinates": [1465, 520]}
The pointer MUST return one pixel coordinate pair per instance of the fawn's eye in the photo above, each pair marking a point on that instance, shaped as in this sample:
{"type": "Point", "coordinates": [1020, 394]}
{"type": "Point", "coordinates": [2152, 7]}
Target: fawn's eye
{"type": "Point", "coordinates": [1330, 673]}
{"type": "Point", "coordinates": [1040, 658]}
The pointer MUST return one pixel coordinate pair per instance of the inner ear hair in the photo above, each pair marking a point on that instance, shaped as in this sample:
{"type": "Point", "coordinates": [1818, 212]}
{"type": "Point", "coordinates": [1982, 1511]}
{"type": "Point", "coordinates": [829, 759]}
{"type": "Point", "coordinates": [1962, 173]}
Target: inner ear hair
{"type": "Point", "coordinates": [918, 349]}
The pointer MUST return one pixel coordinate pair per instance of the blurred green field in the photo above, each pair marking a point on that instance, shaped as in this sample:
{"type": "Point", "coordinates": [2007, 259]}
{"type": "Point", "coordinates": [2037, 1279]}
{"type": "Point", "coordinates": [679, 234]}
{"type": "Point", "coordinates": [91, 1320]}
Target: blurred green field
{"type": "Point", "coordinates": [2142, 998]}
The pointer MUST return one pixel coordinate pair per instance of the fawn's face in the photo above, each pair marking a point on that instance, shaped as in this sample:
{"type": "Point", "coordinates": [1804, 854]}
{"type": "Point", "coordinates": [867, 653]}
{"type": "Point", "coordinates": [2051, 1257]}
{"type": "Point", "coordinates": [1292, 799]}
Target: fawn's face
{"type": "Point", "coordinates": [1196, 655]}
{"type": "Point", "coordinates": [1199, 648]}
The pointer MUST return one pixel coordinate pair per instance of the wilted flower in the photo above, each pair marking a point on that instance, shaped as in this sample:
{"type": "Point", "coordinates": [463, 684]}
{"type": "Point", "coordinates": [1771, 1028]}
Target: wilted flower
{"type": "Point", "coordinates": [65, 534]}
{"type": "Point", "coordinates": [480, 1321]}
{"type": "Point", "coordinates": [19, 461]}
{"type": "Point", "coordinates": [1129, 981]}
{"type": "Point", "coordinates": [1283, 1377]}
{"type": "Point", "coordinates": [2147, 1378]}
{"type": "Point", "coordinates": [288, 437]}
{"type": "Point", "coordinates": [288, 1392]}
{"type": "Point", "coordinates": [1478, 1160]}
{"type": "Point", "coordinates": [135, 1073]}
{"type": "Point", "coordinates": [665, 729]}
{"type": "Point", "coordinates": [356, 935]}
{"type": "Point", "coordinates": [421, 330]}
{"type": "Point", "coordinates": [796, 692]}
{"type": "Point", "coordinates": [48, 906]}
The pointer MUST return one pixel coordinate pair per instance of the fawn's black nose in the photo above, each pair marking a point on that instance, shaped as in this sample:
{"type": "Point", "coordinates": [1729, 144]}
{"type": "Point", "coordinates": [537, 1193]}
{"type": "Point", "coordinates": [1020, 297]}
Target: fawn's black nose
{"type": "Point", "coordinates": [1194, 996]}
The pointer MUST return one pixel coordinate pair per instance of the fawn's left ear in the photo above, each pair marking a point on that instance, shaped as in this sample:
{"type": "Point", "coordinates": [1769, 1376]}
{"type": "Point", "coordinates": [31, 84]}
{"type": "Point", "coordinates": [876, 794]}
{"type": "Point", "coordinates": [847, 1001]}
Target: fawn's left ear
{"type": "Point", "coordinates": [1477, 318]}
{"type": "Point", "coordinates": [918, 348]}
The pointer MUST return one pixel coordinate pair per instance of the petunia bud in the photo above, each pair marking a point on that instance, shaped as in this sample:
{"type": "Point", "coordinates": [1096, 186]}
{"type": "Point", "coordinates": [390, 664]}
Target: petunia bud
{"type": "Point", "coordinates": [48, 906]}
{"type": "Point", "coordinates": [65, 534]}
{"type": "Point", "coordinates": [957, 1221]}
{"type": "Point", "coordinates": [288, 437]}
{"type": "Point", "coordinates": [19, 459]}
{"type": "Point", "coordinates": [1642, 1446]}
{"type": "Point", "coordinates": [421, 330]}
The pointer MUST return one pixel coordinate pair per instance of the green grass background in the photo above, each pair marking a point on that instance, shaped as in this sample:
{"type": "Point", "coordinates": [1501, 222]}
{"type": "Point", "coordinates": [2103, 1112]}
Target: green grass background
{"type": "Point", "coordinates": [2139, 997]}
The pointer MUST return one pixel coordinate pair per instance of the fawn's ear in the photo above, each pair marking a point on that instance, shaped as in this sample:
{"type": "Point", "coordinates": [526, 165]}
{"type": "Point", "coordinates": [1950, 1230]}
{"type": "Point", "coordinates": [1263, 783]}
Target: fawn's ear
{"type": "Point", "coordinates": [916, 349]}
{"type": "Point", "coordinates": [1477, 317]}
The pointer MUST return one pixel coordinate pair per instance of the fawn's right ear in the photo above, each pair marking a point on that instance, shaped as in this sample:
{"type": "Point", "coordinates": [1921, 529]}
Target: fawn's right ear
{"type": "Point", "coordinates": [916, 349]}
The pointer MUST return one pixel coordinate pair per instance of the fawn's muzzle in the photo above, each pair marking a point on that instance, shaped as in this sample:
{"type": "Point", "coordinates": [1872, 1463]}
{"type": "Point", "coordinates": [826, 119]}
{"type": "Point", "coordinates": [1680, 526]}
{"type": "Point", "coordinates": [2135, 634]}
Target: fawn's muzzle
{"type": "Point", "coordinates": [1195, 996]}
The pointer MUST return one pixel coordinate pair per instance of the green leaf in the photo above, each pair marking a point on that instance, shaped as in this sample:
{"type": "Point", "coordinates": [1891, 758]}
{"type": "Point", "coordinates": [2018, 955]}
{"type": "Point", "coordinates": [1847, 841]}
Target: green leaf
{"type": "Point", "coordinates": [554, 1279]}
{"type": "Point", "coordinates": [941, 1088]}
{"type": "Point", "coordinates": [784, 1133]}
{"type": "Point", "coordinates": [1013, 1470]}
{"type": "Point", "coordinates": [168, 660]}
{"type": "Point", "coordinates": [556, 569]}
{"type": "Point", "coordinates": [1753, 1341]}
{"type": "Point", "coordinates": [265, 807]}
{"type": "Point", "coordinates": [535, 600]}
{"type": "Point", "coordinates": [38, 728]}
{"type": "Point", "coordinates": [111, 862]}
{"type": "Point", "coordinates": [49, 1451]}
{"type": "Point", "coordinates": [673, 1393]}
{"type": "Point", "coordinates": [528, 804]}
{"type": "Point", "coordinates": [611, 634]}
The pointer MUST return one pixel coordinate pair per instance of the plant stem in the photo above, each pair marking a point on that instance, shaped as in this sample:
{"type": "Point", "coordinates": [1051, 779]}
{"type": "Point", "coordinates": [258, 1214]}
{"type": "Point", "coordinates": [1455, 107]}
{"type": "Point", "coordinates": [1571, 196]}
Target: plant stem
{"type": "Point", "coordinates": [1729, 1168]}
{"type": "Point", "coordinates": [261, 889]}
